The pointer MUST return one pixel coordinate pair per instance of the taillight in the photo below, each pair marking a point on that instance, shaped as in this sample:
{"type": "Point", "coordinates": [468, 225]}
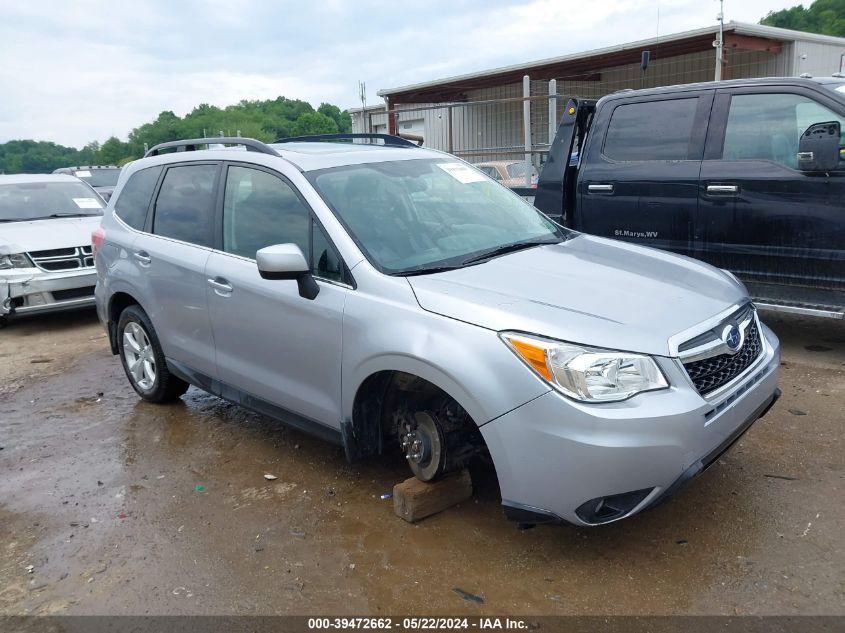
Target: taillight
{"type": "Point", "coordinates": [97, 236]}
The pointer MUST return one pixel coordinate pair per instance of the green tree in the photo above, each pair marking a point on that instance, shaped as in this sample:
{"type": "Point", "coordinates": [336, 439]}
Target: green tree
{"type": "Point", "coordinates": [342, 119]}
{"type": "Point", "coordinates": [265, 120]}
{"type": "Point", "coordinates": [113, 151]}
{"type": "Point", "coordinates": [826, 17]}
{"type": "Point", "coordinates": [313, 123]}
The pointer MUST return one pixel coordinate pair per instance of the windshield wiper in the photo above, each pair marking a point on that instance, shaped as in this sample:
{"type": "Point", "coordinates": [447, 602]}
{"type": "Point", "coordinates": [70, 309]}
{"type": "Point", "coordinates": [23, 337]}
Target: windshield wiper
{"type": "Point", "coordinates": [426, 270]}
{"type": "Point", "coordinates": [508, 248]}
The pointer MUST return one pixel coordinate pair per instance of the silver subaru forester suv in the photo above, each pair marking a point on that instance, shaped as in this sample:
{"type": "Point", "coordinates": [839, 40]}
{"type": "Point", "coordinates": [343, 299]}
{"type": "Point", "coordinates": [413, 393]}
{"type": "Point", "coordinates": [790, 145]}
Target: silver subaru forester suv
{"type": "Point", "coordinates": [392, 298]}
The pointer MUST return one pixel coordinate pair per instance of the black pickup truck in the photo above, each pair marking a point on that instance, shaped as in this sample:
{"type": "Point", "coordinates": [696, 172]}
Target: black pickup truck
{"type": "Point", "coordinates": [748, 175]}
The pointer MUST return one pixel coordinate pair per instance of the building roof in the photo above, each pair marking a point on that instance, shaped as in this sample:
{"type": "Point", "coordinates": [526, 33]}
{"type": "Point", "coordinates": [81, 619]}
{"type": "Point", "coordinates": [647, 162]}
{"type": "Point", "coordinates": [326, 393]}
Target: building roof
{"type": "Point", "coordinates": [737, 35]}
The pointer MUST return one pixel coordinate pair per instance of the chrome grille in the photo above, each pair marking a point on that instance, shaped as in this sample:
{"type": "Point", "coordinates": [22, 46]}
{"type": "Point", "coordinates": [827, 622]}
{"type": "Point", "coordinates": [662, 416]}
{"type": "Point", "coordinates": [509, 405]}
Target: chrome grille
{"type": "Point", "coordinates": [59, 259]}
{"type": "Point", "coordinates": [711, 373]}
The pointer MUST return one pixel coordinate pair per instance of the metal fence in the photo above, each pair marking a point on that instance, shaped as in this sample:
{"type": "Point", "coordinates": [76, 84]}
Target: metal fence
{"type": "Point", "coordinates": [517, 122]}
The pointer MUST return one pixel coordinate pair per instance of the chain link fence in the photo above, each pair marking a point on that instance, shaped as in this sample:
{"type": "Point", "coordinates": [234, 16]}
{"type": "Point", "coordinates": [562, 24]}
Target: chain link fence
{"type": "Point", "coordinates": [508, 129]}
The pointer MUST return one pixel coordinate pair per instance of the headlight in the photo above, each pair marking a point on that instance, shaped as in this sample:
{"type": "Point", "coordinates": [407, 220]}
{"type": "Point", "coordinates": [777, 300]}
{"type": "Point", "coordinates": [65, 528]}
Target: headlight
{"type": "Point", "coordinates": [18, 260]}
{"type": "Point", "coordinates": [586, 374]}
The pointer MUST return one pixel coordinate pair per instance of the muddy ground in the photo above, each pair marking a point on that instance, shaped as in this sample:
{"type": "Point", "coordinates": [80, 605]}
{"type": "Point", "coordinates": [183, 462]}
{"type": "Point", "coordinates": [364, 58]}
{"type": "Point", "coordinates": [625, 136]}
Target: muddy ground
{"type": "Point", "coordinates": [122, 507]}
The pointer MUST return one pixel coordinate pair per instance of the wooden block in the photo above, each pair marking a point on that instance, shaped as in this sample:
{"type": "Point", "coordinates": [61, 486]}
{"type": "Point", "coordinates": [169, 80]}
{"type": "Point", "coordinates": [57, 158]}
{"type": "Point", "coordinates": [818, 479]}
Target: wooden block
{"type": "Point", "coordinates": [414, 499]}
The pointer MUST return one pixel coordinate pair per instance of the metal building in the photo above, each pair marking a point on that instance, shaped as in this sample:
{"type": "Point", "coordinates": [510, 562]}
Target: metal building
{"type": "Point", "coordinates": [499, 114]}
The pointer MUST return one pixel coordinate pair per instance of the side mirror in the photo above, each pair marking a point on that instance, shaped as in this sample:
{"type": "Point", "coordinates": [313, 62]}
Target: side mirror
{"type": "Point", "coordinates": [286, 261]}
{"type": "Point", "coordinates": [818, 148]}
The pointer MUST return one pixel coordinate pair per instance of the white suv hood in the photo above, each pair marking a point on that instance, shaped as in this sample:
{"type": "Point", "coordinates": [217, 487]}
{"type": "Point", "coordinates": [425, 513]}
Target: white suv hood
{"type": "Point", "coordinates": [40, 235]}
{"type": "Point", "coordinates": [587, 290]}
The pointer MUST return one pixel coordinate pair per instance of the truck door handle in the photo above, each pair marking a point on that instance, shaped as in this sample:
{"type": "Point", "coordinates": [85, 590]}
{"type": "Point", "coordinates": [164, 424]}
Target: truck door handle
{"type": "Point", "coordinates": [600, 188]}
{"type": "Point", "coordinates": [722, 189]}
{"type": "Point", "coordinates": [143, 257]}
{"type": "Point", "coordinates": [221, 286]}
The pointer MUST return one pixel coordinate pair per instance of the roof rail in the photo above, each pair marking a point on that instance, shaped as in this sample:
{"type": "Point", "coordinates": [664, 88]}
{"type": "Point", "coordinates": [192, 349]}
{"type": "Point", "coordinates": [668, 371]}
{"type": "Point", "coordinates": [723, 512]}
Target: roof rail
{"type": "Point", "coordinates": [190, 145]}
{"type": "Point", "coordinates": [389, 139]}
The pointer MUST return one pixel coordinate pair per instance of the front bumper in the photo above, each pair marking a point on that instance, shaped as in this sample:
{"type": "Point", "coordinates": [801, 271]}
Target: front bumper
{"type": "Point", "coordinates": [28, 291]}
{"type": "Point", "coordinates": [556, 459]}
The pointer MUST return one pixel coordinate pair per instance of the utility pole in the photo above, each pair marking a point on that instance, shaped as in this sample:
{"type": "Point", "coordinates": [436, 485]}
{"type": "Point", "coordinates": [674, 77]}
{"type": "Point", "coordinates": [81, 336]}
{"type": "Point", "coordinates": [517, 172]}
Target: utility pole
{"type": "Point", "coordinates": [720, 43]}
{"type": "Point", "coordinates": [362, 95]}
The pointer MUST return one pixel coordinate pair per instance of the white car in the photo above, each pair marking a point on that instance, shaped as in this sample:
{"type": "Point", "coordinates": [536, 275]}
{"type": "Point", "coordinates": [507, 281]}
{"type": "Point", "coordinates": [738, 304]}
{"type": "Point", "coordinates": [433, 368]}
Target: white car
{"type": "Point", "coordinates": [45, 243]}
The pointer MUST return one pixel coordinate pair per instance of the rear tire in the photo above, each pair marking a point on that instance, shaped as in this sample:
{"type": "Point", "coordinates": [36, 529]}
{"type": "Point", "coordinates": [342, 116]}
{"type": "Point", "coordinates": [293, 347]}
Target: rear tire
{"type": "Point", "coordinates": [143, 359]}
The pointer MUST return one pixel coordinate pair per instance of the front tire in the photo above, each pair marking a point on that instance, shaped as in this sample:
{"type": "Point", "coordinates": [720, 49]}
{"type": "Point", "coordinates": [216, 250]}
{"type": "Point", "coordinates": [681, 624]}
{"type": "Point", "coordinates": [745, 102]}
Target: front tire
{"type": "Point", "coordinates": [143, 359]}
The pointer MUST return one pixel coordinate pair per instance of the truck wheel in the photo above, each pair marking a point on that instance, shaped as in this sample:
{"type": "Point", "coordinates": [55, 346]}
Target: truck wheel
{"type": "Point", "coordinates": [143, 360]}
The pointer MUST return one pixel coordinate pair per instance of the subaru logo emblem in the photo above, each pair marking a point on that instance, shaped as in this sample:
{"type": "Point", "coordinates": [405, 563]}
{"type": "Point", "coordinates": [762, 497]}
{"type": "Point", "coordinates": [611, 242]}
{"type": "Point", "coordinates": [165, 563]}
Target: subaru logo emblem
{"type": "Point", "coordinates": [732, 337]}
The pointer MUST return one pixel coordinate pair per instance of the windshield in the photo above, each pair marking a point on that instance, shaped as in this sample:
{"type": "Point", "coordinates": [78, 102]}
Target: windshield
{"type": "Point", "coordinates": [98, 177]}
{"type": "Point", "coordinates": [39, 200]}
{"type": "Point", "coordinates": [413, 215]}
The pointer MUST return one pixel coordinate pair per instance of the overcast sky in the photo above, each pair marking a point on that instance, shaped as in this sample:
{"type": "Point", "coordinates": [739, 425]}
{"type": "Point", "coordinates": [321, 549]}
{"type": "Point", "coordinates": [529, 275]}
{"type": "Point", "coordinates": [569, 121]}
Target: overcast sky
{"type": "Point", "coordinates": [81, 70]}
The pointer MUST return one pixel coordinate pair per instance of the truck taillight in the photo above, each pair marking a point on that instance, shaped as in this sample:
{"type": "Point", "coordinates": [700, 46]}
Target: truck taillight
{"type": "Point", "coordinates": [97, 236]}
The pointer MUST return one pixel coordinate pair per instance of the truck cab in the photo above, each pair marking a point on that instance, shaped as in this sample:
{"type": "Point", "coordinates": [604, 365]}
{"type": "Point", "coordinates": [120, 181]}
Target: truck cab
{"type": "Point", "coordinates": [718, 172]}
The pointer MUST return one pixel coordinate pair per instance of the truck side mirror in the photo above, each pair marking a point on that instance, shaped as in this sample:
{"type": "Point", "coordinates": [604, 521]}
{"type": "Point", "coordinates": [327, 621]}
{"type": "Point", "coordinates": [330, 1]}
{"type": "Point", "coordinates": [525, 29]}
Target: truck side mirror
{"type": "Point", "coordinates": [818, 148]}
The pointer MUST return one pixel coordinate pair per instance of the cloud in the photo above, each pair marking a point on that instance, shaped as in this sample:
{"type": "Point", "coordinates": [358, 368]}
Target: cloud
{"type": "Point", "coordinates": [78, 71]}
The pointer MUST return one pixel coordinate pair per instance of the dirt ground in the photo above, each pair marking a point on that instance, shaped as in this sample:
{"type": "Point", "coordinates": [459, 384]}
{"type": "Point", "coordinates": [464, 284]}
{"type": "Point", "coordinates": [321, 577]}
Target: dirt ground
{"type": "Point", "coordinates": [122, 507]}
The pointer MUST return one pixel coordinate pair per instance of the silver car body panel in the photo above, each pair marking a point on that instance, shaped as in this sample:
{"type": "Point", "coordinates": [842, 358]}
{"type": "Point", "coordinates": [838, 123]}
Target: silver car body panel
{"type": "Point", "coordinates": [272, 344]}
{"type": "Point", "coordinates": [586, 290]}
{"type": "Point", "coordinates": [311, 357]}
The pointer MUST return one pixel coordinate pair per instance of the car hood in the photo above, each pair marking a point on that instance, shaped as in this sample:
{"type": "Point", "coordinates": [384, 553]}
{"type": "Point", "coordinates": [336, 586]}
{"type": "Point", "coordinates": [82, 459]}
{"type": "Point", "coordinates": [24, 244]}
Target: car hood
{"type": "Point", "coordinates": [587, 290]}
{"type": "Point", "coordinates": [40, 235]}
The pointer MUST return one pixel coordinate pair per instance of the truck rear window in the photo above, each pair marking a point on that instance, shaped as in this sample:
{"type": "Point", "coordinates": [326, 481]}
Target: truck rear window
{"type": "Point", "coordinates": [654, 130]}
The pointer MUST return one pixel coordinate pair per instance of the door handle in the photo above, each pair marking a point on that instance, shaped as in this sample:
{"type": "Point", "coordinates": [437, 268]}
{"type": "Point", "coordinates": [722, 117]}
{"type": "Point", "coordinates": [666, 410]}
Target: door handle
{"type": "Point", "coordinates": [221, 286]}
{"type": "Point", "coordinates": [600, 188]}
{"type": "Point", "coordinates": [143, 258]}
{"type": "Point", "coordinates": [723, 189]}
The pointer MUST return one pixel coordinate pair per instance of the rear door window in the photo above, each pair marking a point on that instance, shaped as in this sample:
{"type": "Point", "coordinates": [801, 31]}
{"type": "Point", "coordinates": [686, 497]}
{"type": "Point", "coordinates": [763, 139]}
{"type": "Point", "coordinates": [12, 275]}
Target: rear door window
{"type": "Point", "coordinates": [184, 209]}
{"type": "Point", "coordinates": [134, 200]}
{"type": "Point", "coordinates": [651, 130]}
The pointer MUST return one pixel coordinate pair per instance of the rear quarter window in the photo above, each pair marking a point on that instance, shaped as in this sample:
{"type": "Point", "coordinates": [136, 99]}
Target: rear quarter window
{"type": "Point", "coordinates": [134, 200]}
{"type": "Point", "coordinates": [651, 130]}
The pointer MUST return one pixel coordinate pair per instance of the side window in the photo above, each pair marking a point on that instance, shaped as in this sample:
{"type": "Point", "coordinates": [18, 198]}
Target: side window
{"type": "Point", "coordinates": [260, 210]}
{"type": "Point", "coordinates": [768, 126]}
{"type": "Point", "coordinates": [653, 130]}
{"type": "Point", "coordinates": [492, 172]}
{"type": "Point", "coordinates": [134, 200]}
{"type": "Point", "coordinates": [325, 262]}
{"type": "Point", "coordinates": [184, 209]}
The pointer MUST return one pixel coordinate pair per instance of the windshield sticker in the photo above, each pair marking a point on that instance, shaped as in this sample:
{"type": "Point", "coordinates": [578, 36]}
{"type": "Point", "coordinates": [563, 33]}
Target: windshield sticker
{"type": "Point", "coordinates": [462, 173]}
{"type": "Point", "coordinates": [82, 174]}
{"type": "Point", "coordinates": [87, 203]}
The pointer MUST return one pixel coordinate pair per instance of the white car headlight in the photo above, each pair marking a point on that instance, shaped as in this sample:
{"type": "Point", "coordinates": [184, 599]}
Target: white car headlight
{"type": "Point", "coordinates": [17, 260]}
{"type": "Point", "coordinates": [587, 374]}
